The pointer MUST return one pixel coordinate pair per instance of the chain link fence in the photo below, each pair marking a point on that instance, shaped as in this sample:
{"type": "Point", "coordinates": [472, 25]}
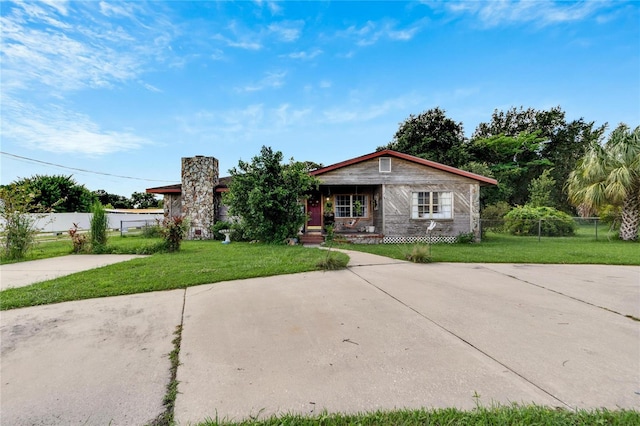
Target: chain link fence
{"type": "Point", "coordinates": [592, 227]}
{"type": "Point", "coordinates": [138, 227]}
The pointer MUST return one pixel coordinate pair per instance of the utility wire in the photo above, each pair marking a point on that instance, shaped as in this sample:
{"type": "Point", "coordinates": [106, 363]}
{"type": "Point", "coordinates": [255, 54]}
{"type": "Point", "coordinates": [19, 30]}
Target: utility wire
{"type": "Point", "coordinates": [81, 170]}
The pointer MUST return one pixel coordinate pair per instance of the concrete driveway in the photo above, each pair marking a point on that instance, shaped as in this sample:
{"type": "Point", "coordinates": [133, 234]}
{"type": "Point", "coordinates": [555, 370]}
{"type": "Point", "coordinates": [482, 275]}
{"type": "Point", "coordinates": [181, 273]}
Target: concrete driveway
{"type": "Point", "coordinates": [26, 273]}
{"type": "Point", "coordinates": [383, 334]}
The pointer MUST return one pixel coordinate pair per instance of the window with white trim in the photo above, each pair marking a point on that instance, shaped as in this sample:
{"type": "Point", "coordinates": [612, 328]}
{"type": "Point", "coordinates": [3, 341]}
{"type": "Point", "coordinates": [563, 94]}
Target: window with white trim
{"type": "Point", "coordinates": [352, 205]}
{"type": "Point", "coordinates": [384, 164]}
{"type": "Point", "coordinates": [431, 205]}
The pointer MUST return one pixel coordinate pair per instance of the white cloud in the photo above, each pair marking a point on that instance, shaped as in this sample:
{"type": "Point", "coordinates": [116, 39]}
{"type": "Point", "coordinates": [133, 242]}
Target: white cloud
{"type": "Point", "coordinates": [59, 5]}
{"type": "Point", "coordinates": [116, 9]}
{"type": "Point", "coordinates": [50, 49]}
{"type": "Point", "coordinates": [217, 55]}
{"type": "Point", "coordinates": [53, 48]}
{"type": "Point", "coordinates": [251, 123]}
{"type": "Point", "coordinates": [273, 6]}
{"type": "Point", "coordinates": [242, 37]}
{"type": "Point", "coordinates": [357, 112]}
{"type": "Point", "coordinates": [287, 31]}
{"type": "Point", "coordinates": [305, 55]}
{"type": "Point", "coordinates": [150, 87]}
{"type": "Point", "coordinates": [272, 80]}
{"type": "Point", "coordinates": [288, 116]}
{"type": "Point", "coordinates": [542, 13]}
{"type": "Point", "coordinates": [372, 32]}
{"type": "Point", "coordinates": [54, 128]}
{"type": "Point", "coordinates": [244, 43]}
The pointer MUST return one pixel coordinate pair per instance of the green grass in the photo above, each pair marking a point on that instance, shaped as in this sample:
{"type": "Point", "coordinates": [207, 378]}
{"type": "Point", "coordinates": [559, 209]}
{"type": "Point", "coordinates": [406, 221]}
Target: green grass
{"type": "Point", "coordinates": [497, 415]}
{"type": "Point", "coordinates": [53, 246]}
{"type": "Point", "coordinates": [201, 262]}
{"type": "Point", "coordinates": [198, 262]}
{"type": "Point", "coordinates": [504, 248]}
{"type": "Point", "coordinates": [43, 250]}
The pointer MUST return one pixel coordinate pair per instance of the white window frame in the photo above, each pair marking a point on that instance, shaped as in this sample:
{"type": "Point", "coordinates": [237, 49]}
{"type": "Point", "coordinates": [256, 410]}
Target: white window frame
{"type": "Point", "coordinates": [431, 205]}
{"type": "Point", "coordinates": [386, 169]}
{"type": "Point", "coordinates": [348, 204]}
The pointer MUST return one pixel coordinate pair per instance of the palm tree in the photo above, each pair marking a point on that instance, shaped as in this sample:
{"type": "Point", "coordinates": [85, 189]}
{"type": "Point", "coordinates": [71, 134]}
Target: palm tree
{"type": "Point", "coordinates": [610, 174]}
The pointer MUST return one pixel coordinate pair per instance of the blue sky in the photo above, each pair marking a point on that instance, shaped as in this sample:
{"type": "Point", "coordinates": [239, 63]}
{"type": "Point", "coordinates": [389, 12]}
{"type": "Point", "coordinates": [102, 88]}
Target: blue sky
{"type": "Point", "coordinates": [128, 88]}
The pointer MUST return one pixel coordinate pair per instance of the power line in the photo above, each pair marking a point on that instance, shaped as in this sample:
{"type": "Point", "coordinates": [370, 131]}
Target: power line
{"type": "Point", "coordinates": [81, 170]}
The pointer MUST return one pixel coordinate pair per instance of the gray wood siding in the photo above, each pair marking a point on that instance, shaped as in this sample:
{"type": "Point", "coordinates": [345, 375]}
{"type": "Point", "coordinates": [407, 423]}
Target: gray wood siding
{"type": "Point", "coordinates": [397, 210]}
{"type": "Point", "coordinates": [402, 172]}
{"type": "Point", "coordinates": [393, 217]}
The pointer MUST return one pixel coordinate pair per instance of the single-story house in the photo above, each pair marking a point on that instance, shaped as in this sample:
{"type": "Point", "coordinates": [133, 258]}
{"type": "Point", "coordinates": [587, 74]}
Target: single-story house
{"type": "Point", "coordinates": [382, 197]}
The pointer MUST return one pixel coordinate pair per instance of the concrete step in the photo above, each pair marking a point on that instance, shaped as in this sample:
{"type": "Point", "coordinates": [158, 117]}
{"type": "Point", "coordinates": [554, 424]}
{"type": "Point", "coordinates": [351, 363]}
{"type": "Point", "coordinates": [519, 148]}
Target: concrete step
{"type": "Point", "coordinates": [312, 238]}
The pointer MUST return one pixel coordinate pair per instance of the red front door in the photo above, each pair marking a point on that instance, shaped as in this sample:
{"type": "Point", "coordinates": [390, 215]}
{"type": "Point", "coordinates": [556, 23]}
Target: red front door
{"type": "Point", "coordinates": [314, 210]}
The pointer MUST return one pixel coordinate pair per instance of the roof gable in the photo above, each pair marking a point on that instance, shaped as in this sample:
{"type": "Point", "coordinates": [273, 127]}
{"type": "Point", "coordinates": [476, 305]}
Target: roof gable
{"type": "Point", "coordinates": [483, 180]}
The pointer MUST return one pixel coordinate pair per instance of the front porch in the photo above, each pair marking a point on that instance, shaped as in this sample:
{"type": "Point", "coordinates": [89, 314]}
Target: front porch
{"type": "Point", "coordinates": [350, 212]}
{"type": "Point", "coordinates": [314, 237]}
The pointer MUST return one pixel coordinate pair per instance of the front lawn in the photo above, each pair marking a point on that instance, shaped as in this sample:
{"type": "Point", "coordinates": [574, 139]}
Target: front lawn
{"type": "Point", "coordinates": [504, 248]}
{"type": "Point", "coordinates": [198, 262]}
{"type": "Point", "coordinates": [54, 246]}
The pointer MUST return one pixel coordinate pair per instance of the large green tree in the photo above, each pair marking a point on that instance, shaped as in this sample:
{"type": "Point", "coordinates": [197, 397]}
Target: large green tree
{"type": "Point", "coordinates": [561, 144]}
{"type": "Point", "coordinates": [265, 196]}
{"type": "Point", "coordinates": [610, 174]}
{"type": "Point", "coordinates": [113, 200]}
{"type": "Point", "coordinates": [143, 200]}
{"type": "Point", "coordinates": [515, 121]}
{"type": "Point", "coordinates": [432, 136]}
{"type": "Point", "coordinates": [513, 160]}
{"type": "Point", "coordinates": [57, 193]}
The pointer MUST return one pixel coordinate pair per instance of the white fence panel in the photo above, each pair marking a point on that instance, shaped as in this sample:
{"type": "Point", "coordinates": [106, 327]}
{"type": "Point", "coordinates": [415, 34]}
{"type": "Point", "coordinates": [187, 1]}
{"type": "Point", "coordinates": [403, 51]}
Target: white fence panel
{"type": "Point", "coordinates": [62, 222]}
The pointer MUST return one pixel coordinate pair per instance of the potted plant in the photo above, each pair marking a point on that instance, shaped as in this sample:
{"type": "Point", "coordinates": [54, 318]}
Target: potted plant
{"type": "Point", "coordinates": [358, 208]}
{"type": "Point", "coordinates": [329, 217]}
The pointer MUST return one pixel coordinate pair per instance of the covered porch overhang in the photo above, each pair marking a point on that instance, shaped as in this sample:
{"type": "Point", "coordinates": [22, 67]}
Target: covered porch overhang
{"type": "Point", "coordinates": [350, 210]}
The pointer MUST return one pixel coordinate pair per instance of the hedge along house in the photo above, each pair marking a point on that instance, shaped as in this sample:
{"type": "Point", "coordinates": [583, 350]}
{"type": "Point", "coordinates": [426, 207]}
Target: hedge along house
{"type": "Point", "coordinates": [390, 197]}
{"type": "Point", "coordinates": [198, 198]}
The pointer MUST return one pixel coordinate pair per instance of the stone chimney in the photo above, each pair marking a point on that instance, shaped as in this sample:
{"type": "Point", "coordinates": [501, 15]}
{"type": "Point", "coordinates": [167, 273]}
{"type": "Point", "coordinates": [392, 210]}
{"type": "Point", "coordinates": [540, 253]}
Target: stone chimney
{"type": "Point", "coordinates": [199, 180]}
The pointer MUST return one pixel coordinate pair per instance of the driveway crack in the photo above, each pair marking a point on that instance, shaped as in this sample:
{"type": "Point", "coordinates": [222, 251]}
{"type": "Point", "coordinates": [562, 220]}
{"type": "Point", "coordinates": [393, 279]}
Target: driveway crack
{"type": "Point", "coordinates": [166, 418]}
{"type": "Point", "coordinates": [561, 294]}
{"type": "Point", "coordinates": [462, 339]}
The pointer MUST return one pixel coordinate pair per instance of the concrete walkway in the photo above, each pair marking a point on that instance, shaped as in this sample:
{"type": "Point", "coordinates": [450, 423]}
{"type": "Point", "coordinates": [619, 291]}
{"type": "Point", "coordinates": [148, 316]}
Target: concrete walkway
{"type": "Point", "coordinates": [382, 334]}
{"type": "Point", "coordinates": [26, 273]}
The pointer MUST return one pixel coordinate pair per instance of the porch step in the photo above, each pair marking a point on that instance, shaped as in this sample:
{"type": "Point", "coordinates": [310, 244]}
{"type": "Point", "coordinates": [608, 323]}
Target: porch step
{"type": "Point", "coordinates": [312, 238]}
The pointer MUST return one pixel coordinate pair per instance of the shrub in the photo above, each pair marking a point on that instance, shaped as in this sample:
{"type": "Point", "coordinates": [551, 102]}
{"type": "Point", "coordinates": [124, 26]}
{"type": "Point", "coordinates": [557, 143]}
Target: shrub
{"type": "Point", "coordinates": [152, 231]}
{"type": "Point", "coordinates": [329, 229]}
{"type": "Point", "coordinates": [158, 247]}
{"type": "Point", "coordinates": [419, 253]}
{"type": "Point", "coordinates": [19, 235]}
{"type": "Point", "coordinates": [493, 216]}
{"type": "Point", "coordinates": [465, 238]}
{"type": "Point", "coordinates": [611, 215]}
{"type": "Point", "coordinates": [526, 220]}
{"type": "Point", "coordinates": [17, 226]}
{"type": "Point", "coordinates": [78, 240]}
{"type": "Point", "coordinates": [219, 226]}
{"type": "Point", "coordinates": [332, 263]}
{"type": "Point", "coordinates": [540, 189]}
{"type": "Point", "coordinates": [265, 194]}
{"type": "Point", "coordinates": [239, 232]}
{"type": "Point", "coordinates": [173, 231]}
{"type": "Point", "coordinates": [98, 228]}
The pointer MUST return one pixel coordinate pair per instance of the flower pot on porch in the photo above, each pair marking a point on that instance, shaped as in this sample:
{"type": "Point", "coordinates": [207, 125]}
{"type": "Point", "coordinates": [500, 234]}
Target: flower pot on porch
{"type": "Point", "coordinates": [329, 219]}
